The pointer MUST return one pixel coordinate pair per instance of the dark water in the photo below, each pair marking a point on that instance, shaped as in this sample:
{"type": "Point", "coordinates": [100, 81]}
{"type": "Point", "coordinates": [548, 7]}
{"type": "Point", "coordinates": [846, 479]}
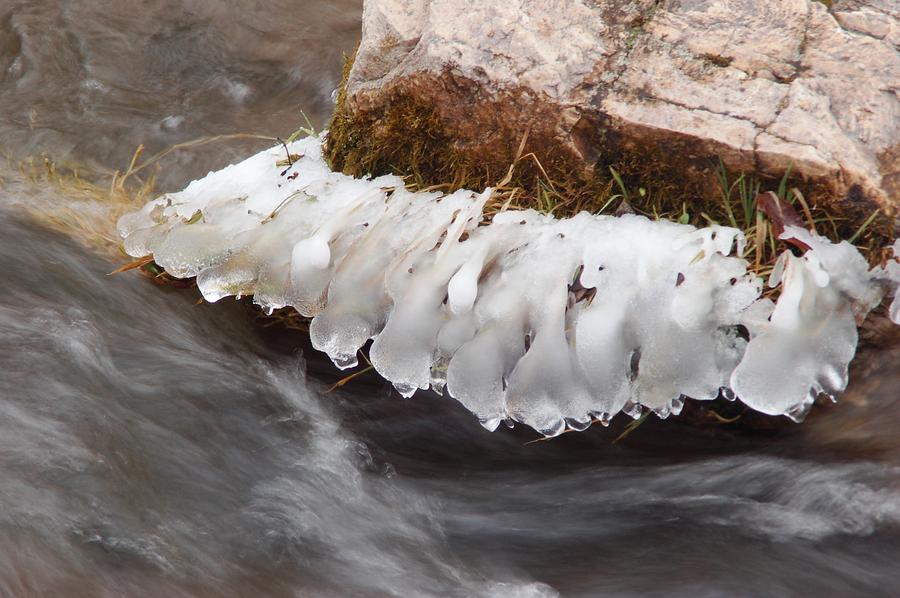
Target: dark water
{"type": "Point", "coordinates": [153, 447]}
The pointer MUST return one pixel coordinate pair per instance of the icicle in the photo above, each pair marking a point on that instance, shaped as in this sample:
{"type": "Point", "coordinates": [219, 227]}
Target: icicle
{"type": "Point", "coordinates": [892, 273]}
{"type": "Point", "coordinates": [812, 328]}
{"type": "Point", "coordinates": [554, 323]}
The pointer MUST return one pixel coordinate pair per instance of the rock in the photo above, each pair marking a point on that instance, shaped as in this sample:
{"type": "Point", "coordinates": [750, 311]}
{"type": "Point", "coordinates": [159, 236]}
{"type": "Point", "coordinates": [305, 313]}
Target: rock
{"type": "Point", "coordinates": [659, 89]}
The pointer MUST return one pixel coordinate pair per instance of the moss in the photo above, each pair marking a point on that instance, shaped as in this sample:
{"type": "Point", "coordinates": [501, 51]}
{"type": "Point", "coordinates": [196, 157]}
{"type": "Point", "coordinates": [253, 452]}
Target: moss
{"type": "Point", "coordinates": [407, 134]}
{"type": "Point", "coordinates": [340, 124]}
{"type": "Point", "coordinates": [400, 140]}
{"type": "Point", "coordinates": [720, 61]}
{"type": "Point", "coordinates": [438, 132]}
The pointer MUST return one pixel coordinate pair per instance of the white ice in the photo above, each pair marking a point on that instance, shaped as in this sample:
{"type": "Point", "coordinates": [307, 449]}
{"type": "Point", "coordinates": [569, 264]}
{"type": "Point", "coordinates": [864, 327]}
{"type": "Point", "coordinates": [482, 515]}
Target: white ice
{"type": "Point", "coordinates": [891, 273]}
{"type": "Point", "coordinates": [555, 323]}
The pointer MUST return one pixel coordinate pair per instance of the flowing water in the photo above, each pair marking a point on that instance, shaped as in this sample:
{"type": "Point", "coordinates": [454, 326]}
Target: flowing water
{"type": "Point", "coordinates": [150, 446]}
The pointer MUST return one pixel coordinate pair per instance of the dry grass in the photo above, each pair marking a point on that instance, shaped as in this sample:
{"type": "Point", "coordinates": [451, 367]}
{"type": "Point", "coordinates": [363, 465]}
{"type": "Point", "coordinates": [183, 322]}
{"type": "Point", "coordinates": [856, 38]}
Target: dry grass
{"type": "Point", "coordinates": [737, 207]}
{"type": "Point", "coordinates": [92, 204]}
{"type": "Point", "coordinates": [409, 138]}
{"type": "Point", "coordinates": [84, 206]}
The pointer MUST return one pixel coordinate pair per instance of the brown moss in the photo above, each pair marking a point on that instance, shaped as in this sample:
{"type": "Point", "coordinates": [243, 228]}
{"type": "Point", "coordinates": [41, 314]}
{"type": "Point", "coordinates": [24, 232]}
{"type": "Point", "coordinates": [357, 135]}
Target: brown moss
{"type": "Point", "coordinates": [421, 132]}
{"type": "Point", "coordinates": [440, 131]}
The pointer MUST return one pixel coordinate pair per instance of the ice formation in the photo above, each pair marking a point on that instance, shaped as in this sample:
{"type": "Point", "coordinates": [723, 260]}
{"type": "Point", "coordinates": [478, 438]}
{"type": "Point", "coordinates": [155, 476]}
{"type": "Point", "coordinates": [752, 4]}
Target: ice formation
{"type": "Point", "coordinates": [554, 323]}
{"type": "Point", "coordinates": [892, 273]}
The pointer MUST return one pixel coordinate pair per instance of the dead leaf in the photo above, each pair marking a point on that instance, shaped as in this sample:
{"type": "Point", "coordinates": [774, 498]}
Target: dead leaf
{"type": "Point", "coordinates": [781, 214]}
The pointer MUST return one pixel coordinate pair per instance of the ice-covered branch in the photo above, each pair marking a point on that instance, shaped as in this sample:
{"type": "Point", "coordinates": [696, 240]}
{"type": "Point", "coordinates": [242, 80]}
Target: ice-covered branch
{"type": "Point", "coordinates": [554, 323]}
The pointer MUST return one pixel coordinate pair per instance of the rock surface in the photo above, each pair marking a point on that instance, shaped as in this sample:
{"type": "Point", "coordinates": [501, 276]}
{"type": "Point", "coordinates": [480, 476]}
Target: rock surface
{"type": "Point", "coordinates": [661, 86]}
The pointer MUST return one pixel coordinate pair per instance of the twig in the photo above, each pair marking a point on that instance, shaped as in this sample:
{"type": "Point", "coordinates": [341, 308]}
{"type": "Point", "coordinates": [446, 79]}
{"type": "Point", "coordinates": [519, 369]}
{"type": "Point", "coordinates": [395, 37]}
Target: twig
{"type": "Point", "coordinates": [290, 160]}
{"type": "Point", "coordinates": [725, 420]}
{"type": "Point", "coordinates": [138, 263]}
{"type": "Point", "coordinates": [347, 379]}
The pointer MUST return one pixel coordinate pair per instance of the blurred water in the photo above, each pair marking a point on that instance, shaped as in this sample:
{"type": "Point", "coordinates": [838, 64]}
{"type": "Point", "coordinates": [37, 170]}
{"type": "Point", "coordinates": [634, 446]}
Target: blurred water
{"type": "Point", "coordinates": [91, 79]}
{"type": "Point", "coordinates": [150, 446]}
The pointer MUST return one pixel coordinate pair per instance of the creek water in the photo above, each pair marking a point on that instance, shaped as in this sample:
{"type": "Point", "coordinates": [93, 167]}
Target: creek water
{"type": "Point", "coordinates": [150, 446]}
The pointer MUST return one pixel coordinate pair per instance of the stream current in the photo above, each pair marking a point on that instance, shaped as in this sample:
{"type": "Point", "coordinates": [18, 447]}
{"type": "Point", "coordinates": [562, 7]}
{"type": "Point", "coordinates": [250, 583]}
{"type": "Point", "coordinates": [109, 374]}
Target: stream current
{"type": "Point", "coordinates": [150, 446]}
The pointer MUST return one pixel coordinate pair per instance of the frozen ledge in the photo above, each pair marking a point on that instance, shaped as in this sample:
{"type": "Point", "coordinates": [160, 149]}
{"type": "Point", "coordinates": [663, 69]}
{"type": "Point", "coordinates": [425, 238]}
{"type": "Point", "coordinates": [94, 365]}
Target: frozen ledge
{"type": "Point", "coordinates": [551, 323]}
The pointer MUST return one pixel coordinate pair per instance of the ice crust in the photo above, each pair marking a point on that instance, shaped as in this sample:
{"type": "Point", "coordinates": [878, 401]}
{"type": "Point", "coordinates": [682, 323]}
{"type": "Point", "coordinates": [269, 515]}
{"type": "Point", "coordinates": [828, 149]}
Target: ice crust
{"type": "Point", "coordinates": [554, 323]}
{"type": "Point", "coordinates": [892, 273]}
